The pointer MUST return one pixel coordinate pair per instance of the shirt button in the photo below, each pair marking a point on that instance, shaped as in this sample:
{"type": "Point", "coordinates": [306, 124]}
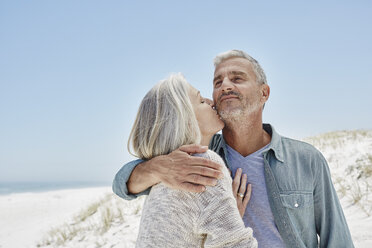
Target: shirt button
{"type": "Point", "coordinates": [296, 205]}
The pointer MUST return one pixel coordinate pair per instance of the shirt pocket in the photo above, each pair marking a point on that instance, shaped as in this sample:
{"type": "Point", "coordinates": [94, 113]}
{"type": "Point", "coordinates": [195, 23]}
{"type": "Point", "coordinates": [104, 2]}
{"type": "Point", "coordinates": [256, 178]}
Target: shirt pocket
{"type": "Point", "coordinates": [297, 200]}
{"type": "Point", "coordinates": [300, 208]}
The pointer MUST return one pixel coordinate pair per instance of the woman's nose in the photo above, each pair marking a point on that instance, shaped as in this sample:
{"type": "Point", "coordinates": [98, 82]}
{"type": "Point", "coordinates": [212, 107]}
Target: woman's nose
{"type": "Point", "coordinates": [209, 101]}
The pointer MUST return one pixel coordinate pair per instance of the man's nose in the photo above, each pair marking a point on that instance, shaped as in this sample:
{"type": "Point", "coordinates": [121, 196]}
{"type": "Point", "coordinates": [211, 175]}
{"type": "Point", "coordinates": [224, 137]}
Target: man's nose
{"type": "Point", "coordinates": [227, 85]}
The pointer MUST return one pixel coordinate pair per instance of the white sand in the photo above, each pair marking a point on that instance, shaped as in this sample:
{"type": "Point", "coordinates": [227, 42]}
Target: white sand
{"type": "Point", "coordinates": [360, 225]}
{"type": "Point", "coordinates": [26, 217]}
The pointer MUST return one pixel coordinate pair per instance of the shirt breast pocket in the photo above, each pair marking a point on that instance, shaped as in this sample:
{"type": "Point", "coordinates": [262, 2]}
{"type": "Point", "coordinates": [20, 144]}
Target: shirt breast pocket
{"type": "Point", "coordinates": [300, 209]}
{"type": "Point", "coordinates": [297, 200]}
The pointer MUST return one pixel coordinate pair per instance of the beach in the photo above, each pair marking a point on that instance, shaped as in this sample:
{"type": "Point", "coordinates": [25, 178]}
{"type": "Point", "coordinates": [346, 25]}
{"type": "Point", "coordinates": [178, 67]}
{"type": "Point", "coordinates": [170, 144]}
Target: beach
{"type": "Point", "coordinates": [94, 217]}
{"type": "Point", "coordinates": [26, 217]}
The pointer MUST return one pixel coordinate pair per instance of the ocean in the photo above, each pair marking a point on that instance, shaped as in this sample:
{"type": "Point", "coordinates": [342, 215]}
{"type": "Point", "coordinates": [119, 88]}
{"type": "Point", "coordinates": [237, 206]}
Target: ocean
{"type": "Point", "coordinates": [23, 187]}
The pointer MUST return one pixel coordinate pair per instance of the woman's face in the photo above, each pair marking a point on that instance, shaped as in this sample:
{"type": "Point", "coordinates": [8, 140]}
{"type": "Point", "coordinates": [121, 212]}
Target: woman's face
{"type": "Point", "coordinates": [208, 119]}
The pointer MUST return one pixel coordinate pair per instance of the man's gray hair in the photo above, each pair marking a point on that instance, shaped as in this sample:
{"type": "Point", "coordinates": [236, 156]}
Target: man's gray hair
{"type": "Point", "coordinates": [260, 74]}
{"type": "Point", "coordinates": [165, 120]}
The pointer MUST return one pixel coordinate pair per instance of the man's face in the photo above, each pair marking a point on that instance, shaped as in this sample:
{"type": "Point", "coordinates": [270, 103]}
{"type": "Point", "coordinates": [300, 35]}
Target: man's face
{"type": "Point", "coordinates": [236, 92]}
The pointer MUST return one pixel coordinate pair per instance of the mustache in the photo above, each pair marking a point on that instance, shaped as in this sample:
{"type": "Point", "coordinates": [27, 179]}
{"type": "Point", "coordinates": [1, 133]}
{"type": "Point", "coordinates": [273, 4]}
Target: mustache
{"type": "Point", "coordinates": [227, 94]}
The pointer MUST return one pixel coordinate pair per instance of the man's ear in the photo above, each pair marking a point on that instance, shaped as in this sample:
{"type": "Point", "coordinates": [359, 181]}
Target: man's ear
{"type": "Point", "coordinates": [265, 90]}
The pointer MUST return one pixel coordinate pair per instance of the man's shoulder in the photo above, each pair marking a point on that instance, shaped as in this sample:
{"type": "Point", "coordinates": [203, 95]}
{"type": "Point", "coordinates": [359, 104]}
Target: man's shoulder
{"type": "Point", "coordinates": [286, 147]}
{"type": "Point", "coordinates": [297, 144]}
{"type": "Point", "coordinates": [302, 157]}
{"type": "Point", "coordinates": [298, 147]}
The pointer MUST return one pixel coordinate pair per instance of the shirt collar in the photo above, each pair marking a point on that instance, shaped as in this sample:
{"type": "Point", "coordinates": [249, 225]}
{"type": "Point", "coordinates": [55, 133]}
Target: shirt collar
{"type": "Point", "coordinates": [275, 144]}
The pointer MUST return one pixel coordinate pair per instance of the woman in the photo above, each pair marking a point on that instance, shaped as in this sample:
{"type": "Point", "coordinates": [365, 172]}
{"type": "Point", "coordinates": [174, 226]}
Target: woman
{"type": "Point", "coordinates": [172, 114]}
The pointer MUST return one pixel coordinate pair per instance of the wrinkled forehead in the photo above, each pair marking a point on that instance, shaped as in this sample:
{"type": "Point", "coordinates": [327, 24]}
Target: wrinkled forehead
{"type": "Point", "coordinates": [233, 64]}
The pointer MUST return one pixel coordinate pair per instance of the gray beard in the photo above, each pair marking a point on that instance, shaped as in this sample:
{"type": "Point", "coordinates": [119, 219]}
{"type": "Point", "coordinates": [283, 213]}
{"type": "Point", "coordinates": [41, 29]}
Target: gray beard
{"type": "Point", "coordinates": [238, 115]}
{"type": "Point", "coordinates": [232, 116]}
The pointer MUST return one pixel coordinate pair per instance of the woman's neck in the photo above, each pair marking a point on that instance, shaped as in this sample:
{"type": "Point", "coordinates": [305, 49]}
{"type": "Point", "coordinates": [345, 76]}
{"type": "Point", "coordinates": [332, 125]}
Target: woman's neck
{"type": "Point", "coordinates": [205, 139]}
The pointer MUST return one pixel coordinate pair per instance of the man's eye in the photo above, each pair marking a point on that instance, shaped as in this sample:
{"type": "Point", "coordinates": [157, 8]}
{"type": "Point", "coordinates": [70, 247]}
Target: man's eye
{"type": "Point", "coordinates": [217, 83]}
{"type": "Point", "coordinates": [237, 78]}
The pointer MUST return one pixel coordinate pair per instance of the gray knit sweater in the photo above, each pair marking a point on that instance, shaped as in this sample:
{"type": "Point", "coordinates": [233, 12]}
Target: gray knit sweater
{"type": "Point", "coordinates": [174, 218]}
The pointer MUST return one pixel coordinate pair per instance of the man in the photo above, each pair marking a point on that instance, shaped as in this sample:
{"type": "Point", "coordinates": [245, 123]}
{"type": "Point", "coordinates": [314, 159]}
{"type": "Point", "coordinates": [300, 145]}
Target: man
{"type": "Point", "coordinates": [293, 201]}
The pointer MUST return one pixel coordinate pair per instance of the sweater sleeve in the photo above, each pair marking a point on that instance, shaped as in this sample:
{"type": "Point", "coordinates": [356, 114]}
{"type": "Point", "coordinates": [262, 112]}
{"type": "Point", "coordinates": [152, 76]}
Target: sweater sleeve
{"type": "Point", "coordinates": [220, 221]}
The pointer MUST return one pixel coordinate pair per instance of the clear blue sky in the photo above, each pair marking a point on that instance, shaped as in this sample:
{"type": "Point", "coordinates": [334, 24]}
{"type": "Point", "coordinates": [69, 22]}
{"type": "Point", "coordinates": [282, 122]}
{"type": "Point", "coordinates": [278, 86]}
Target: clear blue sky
{"type": "Point", "coordinates": [72, 73]}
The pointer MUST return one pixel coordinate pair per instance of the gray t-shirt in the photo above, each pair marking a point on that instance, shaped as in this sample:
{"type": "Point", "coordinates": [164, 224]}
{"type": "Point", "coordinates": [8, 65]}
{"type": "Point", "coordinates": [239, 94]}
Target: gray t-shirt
{"type": "Point", "coordinates": [258, 214]}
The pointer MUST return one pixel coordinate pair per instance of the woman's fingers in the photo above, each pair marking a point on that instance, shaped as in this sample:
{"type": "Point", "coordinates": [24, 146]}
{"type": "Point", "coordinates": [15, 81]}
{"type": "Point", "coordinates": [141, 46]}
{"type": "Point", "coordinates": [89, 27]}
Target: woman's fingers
{"type": "Point", "coordinates": [247, 196]}
{"type": "Point", "coordinates": [243, 184]}
{"type": "Point", "coordinates": [236, 181]}
{"type": "Point", "coordinates": [241, 192]}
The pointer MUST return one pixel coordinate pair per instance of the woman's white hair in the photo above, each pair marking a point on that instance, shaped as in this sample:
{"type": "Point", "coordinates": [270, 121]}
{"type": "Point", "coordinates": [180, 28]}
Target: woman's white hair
{"type": "Point", "coordinates": [260, 74]}
{"type": "Point", "coordinates": [165, 120]}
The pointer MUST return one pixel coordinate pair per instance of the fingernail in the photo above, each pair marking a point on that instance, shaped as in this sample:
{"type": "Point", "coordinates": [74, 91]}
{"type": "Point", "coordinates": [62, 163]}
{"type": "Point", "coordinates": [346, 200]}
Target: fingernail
{"type": "Point", "coordinates": [205, 147]}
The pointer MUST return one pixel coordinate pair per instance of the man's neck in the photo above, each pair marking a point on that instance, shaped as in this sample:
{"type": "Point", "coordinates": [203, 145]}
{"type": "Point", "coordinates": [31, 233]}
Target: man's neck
{"type": "Point", "coordinates": [246, 137]}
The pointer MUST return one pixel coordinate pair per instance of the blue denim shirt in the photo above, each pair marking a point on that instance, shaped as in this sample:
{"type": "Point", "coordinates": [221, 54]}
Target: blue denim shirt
{"type": "Point", "coordinates": [300, 191]}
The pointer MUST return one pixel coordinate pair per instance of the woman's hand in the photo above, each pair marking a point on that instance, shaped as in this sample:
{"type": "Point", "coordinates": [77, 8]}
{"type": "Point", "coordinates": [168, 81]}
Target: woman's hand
{"type": "Point", "coordinates": [241, 193]}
